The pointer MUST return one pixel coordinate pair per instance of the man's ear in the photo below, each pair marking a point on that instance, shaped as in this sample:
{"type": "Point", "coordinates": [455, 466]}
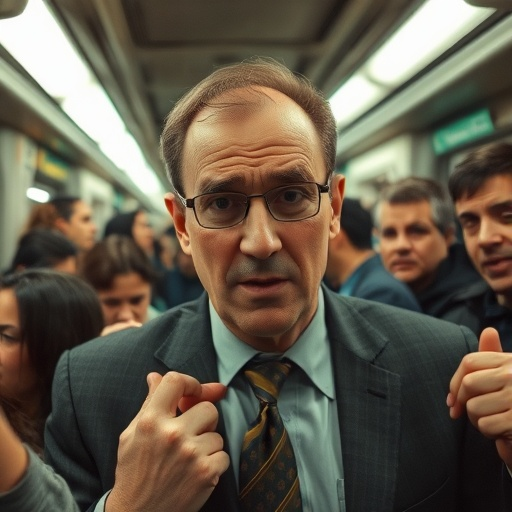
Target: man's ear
{"type": "Point", "coordinates": [337, 193]}
{"type": "Point", "coordinates": [61, 224]}
{"type": "Point", "coordinates": [177, 211]}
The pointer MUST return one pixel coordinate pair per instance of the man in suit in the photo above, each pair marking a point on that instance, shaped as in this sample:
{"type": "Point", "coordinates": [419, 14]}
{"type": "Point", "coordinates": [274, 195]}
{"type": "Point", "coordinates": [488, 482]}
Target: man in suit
{"type": "Point", "coordinates": [250, 152]}
{"type": "Point", "coordinates": [354, 269]}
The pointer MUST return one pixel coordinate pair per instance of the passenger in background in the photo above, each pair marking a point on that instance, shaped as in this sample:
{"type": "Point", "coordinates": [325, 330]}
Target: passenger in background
{"type": "Point", "coordinates": [42, 313]}
{"type": "Point", "coordinates": [481, 189]}
{"type": "Point", "coordinates": [69, 215]}
{"type": "Point", "coordinates": [355, 269]}
{"type": "Point", "coordinates": [416, 229]}
{"type": "Point", "coordinates": [168, 247]}
{"type": "Point", "coordinates": [181, 284]}
{"type": "Point", "coordinates": [45, 248]}
{"type": "Point", "coordinates": [135, 225]}
{"type": "Point", "coordinates": [122, 276]}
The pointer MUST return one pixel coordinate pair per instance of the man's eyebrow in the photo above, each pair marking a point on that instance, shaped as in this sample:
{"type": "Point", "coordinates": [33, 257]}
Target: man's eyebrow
{"type": "Point", "coordinates": [294, 175]}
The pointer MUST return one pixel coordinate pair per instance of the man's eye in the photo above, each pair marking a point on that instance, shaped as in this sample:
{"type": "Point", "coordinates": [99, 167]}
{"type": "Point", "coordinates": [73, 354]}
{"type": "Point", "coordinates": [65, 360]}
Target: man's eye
{"type": "Point", "coordinates": [468, 224]}
{"type": "Point", "coordinates": [387, 233]}
{"type": "Point", "coordinates": [292, 196]}
{"type": "Point", "coordinates": [220, 203]}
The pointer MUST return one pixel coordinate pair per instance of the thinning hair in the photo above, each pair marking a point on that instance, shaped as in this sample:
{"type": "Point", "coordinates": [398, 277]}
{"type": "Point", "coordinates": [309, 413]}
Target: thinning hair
{"type": "Point", "coordinates": [250, 74]}
{"type": "Point", "coordinates": [414, 190]}
{"type": "Point", "coordinates": [478, 166]}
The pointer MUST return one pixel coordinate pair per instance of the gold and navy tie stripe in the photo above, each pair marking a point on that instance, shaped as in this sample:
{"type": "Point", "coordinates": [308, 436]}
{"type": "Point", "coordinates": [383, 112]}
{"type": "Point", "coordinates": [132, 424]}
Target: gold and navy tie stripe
{"type": "Point", "coordinates": [268, 470]}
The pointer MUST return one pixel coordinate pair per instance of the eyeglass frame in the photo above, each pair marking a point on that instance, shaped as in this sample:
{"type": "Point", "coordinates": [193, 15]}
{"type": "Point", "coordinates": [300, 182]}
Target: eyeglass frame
{"type": "Point", "coordinates": [189, 203]}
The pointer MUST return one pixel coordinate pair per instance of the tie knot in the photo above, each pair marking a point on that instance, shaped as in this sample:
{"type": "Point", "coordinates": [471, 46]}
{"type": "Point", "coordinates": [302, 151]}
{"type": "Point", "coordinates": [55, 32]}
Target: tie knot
{"type": "Point", "coordinates": [267, 378]}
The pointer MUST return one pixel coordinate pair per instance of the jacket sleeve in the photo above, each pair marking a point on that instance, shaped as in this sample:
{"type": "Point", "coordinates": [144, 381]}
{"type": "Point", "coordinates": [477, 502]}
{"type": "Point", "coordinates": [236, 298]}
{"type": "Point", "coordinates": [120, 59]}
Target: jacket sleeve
{"type": "Point", "coordinates": [40, 490]}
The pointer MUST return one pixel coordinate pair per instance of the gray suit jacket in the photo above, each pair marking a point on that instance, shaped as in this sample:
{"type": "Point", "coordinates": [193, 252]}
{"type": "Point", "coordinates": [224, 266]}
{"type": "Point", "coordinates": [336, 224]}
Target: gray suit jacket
{"type": "Point", "coordinates": [401, 451]}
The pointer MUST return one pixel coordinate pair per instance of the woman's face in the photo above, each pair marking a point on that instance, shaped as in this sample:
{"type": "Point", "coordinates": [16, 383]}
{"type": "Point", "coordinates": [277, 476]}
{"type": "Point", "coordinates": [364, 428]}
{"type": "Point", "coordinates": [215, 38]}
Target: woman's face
{"type": "Point", "coordinates": [127, 299]}
{"type": "Point", "coordinates": [18, 379]}
{"type": "Point", "coordinates": [143, 233]}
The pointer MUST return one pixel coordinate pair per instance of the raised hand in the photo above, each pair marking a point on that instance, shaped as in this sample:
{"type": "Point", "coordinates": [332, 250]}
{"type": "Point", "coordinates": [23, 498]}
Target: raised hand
{"type": "Point", "coordinates": [482, 385]}
{"type": "Point", "coordinates": [169, 462]}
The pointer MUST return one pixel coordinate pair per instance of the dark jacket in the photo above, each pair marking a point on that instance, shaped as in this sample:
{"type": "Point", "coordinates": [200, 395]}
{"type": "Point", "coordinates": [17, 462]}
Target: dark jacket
{"type": "Point", "coordinates": [457, 292]}
{"type": "Point", "coordinates": [374, 282]}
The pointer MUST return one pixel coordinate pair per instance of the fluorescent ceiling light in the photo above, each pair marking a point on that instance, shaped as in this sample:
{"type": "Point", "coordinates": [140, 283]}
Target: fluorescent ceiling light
{"type": "Point", "coordinates": [431, 30]}
{"type": "Point", "coordinates": [37, 194]}
{"type": "Point", "coordinates": [354, 97]}
{"type": "Point", "coordinates": [37, 42]}
{"type": "Point", "coordinates": [434, 28]}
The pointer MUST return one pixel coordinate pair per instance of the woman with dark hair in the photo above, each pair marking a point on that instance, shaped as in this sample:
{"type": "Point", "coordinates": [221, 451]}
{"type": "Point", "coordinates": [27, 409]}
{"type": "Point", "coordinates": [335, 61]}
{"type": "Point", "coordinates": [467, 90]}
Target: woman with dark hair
{"type": "Point", "coordinates": [44, 248]}
{"type": "Point", "coordinates": [42, 313]}
{"type": "Point", "coordinates": [122, 276]}
{"type": "Point", "coordinates": [134, 224]}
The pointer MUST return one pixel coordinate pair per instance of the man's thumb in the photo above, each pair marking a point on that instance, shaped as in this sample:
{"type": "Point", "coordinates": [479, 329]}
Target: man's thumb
{"type": "Point", "coordinates": [489, 341]}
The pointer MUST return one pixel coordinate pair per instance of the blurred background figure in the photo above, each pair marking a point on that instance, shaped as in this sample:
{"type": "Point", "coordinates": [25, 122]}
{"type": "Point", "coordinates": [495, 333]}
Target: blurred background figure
{"type": "Point", "coordinates": [42, 313]}
{"type": "Point", "coordinates": [69, 215]}
{"type": "Point", "coordinates": [355, 269]}
{"type": "Point", "coordinates": [45, 248]}
{"type": "Point", "coordinates": [181, 283]}
{"type": "Point", "coordinates": [120, 272]}
{"type": "Point", "coordinates": [417, 240]}
{"type": "Point", "coordinates": [135, 225]}
{"type": "Point", "coordinates": [167, 248]}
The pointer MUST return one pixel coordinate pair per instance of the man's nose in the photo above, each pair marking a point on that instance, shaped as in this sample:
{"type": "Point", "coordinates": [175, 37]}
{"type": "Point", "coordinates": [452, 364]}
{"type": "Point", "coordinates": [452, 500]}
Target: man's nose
{"type": "Point", "coordinates": [259, 238]}
{"type": "Point", "coordinates": [489, 233]}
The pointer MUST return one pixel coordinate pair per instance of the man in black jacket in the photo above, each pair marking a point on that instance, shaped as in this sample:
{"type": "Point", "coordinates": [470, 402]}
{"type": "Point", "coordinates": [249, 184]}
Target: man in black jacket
{"type": "Point", "coordinates": [416, 228]}
{"type": "Point", "coordinates": [481, 189]}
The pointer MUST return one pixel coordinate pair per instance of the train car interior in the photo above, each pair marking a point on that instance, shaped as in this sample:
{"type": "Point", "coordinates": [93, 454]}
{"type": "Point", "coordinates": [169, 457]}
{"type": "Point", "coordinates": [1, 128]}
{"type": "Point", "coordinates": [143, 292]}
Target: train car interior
{"type": "Point", "coordinates": [85, 86]}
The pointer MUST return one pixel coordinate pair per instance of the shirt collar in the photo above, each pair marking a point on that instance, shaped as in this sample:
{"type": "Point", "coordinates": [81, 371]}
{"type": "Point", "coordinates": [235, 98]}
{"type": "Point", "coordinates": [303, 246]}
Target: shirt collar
{"type": "Point", "coordinates": [311, 351]}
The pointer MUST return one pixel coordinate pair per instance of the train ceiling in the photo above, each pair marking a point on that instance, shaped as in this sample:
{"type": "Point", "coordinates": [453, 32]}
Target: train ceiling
{"type": "Point", "coordinates": [147, 53]}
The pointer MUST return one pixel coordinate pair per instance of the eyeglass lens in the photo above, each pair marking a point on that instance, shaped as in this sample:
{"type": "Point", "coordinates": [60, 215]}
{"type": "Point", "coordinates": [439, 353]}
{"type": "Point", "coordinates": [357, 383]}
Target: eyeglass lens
{"type": "Point", "coordinates": [286, 203]}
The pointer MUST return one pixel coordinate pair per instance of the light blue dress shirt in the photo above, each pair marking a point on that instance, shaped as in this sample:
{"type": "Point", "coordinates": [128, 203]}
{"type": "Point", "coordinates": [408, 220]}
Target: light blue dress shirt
{"type": "Point", "coordinates": [307, 403]}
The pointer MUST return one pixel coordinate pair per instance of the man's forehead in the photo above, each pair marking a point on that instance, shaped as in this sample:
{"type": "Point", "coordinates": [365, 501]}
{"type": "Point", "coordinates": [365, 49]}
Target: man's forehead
{"type": "Point", "coordinates": [238, 104]}
{"type": "Point", "coordinates": [406, 212]}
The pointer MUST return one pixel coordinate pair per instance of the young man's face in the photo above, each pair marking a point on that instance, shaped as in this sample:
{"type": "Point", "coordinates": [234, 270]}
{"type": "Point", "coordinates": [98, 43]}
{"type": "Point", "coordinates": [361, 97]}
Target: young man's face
{"type": "Point", "coordinates": [486, 221]}
{"type": "Point", "coordinates": [411, 245]}
{"type": "Point", "coordinates": [262, 275]}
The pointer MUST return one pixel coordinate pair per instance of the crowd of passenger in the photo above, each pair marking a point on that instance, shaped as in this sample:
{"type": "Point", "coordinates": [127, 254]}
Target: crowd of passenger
{"type": "Point", "coordinates": [441, 250]}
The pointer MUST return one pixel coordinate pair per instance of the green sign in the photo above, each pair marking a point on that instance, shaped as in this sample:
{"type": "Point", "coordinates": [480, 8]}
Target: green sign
{"type": "Point", "coordinates": [464, 130]}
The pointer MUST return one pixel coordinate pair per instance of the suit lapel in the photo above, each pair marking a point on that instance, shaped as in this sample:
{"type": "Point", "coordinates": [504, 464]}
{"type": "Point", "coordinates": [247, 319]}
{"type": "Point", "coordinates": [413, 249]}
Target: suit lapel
{"type": "Point", "coordinates": [189, 349]}
{"type": "Point", "coordinates": [368, 398]}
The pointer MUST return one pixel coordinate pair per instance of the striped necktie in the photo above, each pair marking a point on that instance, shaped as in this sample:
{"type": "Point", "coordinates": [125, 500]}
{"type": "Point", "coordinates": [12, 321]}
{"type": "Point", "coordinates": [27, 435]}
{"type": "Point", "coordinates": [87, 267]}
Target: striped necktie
{"type": "Point", "coordinates": [268, 479]}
